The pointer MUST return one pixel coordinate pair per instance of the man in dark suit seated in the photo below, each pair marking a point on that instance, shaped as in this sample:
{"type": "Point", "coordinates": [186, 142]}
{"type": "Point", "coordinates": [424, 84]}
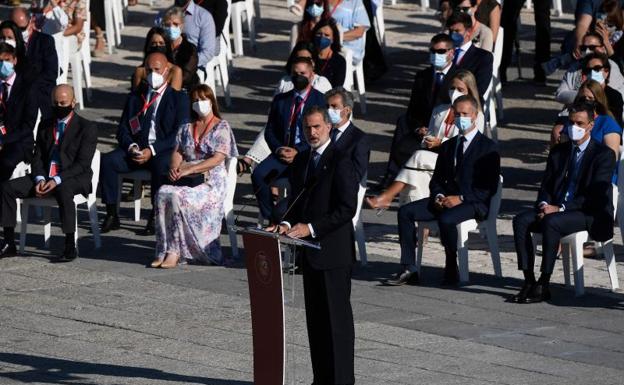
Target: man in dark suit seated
{"type": "Point", "coordinates": [283, 132]}
{"type": "Point", "coordinates": [426, 94]}
{"type": "Point", "coordinates": [322, 215]}
{"type": "Point", "coordinates": [18, 114]}
{"type": "Point", "coordinates": [575, 195]}
{"type": "Point", "coordinates": [467, 55]}
{"type": "Point", "coordinates": [347, 138]}
{"type": "Point", "coordinates": [146, 136]}
{"type": "Point", "coordinates": [42, 57]}
{"type": "Point", "coordinates": [465, 178]}
{"type": "Point", "coordinates": [61, 168]}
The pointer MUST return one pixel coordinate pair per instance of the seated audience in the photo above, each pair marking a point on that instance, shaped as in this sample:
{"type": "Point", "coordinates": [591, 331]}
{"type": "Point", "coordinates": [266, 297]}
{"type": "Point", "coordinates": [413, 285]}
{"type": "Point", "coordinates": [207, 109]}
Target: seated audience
{"type": "Point", "coordinates": [329, 62]}
{"type": "Point", "coordinates": [412, 182]}
{"type": "Point", "coordinates": [219, 11]}
{"type": "Point", "coordinates": [575, 195]}
{"type": "Point", "coordinates": [42, 58]}
{"type": "Point", "coordinates": [489, 13]}
{"type": "Point", "coordinates": [61, 168]}
{"type": "Point", "coordinates": [305, 50]}
{"type": "Point", "coordinates": [199, 28]}
{"type": "Point", "coordinates": [10, 34]}
{"type": "Point", "coordinates": [156, 42]}
{"type": "Point", "coordinates": [18, 112]}
{"type": "Point", "coordinates": [283, 131]}
{"type": "Point", "coordinates": [353, 20]}
{"type": "Point", "coordinates": [315, 11]}
{"type": "Point", "coordinates": [480, 33]}
{"type": "Point", "coordinates": [146, 136]}
{"type": "Point", "coordinates": [189, 213]}
{"type": "Point", "coordinates": [465, 179]}
{"type": "Point", "coordinates": [184, 53]}
{"type": "Point", "coordinates": [66, 16]}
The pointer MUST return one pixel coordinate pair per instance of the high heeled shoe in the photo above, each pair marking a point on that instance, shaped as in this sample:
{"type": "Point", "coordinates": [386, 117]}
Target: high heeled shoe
{"type": "Point", "coordinates": [171, 261]}
{"type": "Point", "coordinates": [374, 202]}
{"type": "Point", "coordinates": [156, 263]}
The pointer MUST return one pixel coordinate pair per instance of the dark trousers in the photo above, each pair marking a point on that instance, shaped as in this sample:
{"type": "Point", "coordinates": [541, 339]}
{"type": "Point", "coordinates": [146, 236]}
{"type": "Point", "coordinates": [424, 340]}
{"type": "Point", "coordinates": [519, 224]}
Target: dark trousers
{"type": "Point", "coordinates": [260, 185]}
{"type": "Point", "coordinates": [553, 227]}
{"type": "Point", "coordinates": [10, 156]}
{"type": "Point", "coordinates": [25, 188]}
{"type": "Point", "coordinates": [119, 162]}
{"type": "Point", "coordinates": [329, 318]}
{"type": "Point", "coordinates": [448, 219]}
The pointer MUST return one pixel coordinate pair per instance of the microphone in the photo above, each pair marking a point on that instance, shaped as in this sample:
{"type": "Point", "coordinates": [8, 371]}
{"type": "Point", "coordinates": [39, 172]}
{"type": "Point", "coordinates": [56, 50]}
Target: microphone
{"type": "Point", "coordinates": [308, 185]}
{"type": "Point", "coordinates": [268, 179]}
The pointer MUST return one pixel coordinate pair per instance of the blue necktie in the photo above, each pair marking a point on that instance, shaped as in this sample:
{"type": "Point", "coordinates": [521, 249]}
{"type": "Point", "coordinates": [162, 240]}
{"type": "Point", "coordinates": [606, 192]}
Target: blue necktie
{"type": "Point", "coordinates": [458, 51]}
{"type": "Point", "coordinates": [572, 175]}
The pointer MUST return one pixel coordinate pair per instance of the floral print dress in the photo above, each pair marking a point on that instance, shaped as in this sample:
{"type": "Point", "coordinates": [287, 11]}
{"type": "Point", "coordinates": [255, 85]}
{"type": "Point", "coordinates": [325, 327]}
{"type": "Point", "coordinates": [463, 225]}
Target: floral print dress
{"type": "Point", "coordinates": [188, 219]}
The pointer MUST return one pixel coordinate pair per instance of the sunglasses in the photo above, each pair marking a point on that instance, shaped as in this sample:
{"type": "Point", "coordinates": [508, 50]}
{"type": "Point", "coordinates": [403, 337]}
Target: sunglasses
{"type": "Point", "coordinates": [440, 51]}
{"type": "Point", "coordinates": [589, 47]}
{"type": "Point", "coordinates": [594, 68]}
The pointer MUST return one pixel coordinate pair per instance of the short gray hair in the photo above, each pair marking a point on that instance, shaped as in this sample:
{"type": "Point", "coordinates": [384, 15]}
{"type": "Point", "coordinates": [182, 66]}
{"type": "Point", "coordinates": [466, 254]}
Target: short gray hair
{"type": "Point", "coordinates": [317, 110]}
{"type": "Point", "coordinates": [347, 97]}
{"type": "Point", "coordinates": [173, 12]}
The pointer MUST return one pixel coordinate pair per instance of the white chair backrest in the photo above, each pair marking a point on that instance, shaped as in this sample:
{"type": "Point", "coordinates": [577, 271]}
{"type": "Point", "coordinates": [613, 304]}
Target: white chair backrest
{"type": "Point", "coordinates": [360, 199]}
{"type": "Point", "coordinates": [498, 51]}
{"type": "Point", "coordinates": [348, 56]}
{"type": "Point", "coordinates": [230, 165]}
{"type": "Point", "coordinates": [495, 202]}
{"type": "Point", "coordinates": [95, 167]}
{"type": "Point", "coordinates": [616, 197]}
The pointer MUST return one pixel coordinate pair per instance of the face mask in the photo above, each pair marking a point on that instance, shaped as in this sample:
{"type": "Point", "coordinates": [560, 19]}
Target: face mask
{"type": "Point", "coordinates": [6, 69]}
{"type": "Point", "coordinates": [597, 76]}
{"type": "Point", "coordinates": [202, 107]}
{"type": "Point", "coordinates": [458, 39]}
{"type": "Point", "coordinates": [157, 48]}
{"type": "Point", "coordinates": [463, 123]}
{"type": "Point", "coordinates": [334, 115]}
{"type": "Point", "coordinates": [575, 132]}
{"type": "Point", "coordinates": [300, 82]}
{"type": "Point", "coordinates": [25, 35]}
{"type": "Point", "coordinates": [155, 80]}
{"type": "Point", "coordinates": [438, 60]}
{"type": "Point", "coordinates": [61, 112]}
{"type": "Point", "coordinates": [322, 42]}
{"type": "Point", "coordinates": [315, 10]}
{"type": "Point", "coordinates": [11, 42]}
{"type": "Point", "coordinates": [601, 16]}
{"type": "Point", "coordinates": [172, 33]}
{"type": "Point", "coordinates": [454, 94]}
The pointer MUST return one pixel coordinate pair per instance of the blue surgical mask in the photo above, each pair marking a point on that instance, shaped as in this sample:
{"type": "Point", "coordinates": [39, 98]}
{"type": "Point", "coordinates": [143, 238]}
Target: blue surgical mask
{"type": "Point", "coordinates": [438, 60]}
{"type": "Point", "coordinates": [597, 76]}
{"type": "Point", "coordinates": [322, 42]}
{"type": "Point", "coordinates": [6, 69]}
{"type": "Point", "coordinates": [458, 39]}
{"type": "Point", "coordinates": [172, 32]}
{"type": "Point", "coordinates": [315, 10]}
{"type": "Point", "coordinates": [463, 123]}
{"type": "Point", "coordinates": [334, 115]}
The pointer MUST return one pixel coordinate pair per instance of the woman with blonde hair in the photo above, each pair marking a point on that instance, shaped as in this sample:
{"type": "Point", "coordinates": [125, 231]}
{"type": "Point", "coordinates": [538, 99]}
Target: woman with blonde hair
{"type": "Point", "coordinates": [412, 182]}
{"type": "Point", "coordinates": [189, 210]}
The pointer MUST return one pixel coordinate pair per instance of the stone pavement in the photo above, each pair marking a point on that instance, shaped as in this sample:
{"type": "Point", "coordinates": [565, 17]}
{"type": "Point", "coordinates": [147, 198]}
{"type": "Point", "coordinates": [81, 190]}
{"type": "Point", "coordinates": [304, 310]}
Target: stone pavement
{"type": "Point", "coordinates": [106, 319]}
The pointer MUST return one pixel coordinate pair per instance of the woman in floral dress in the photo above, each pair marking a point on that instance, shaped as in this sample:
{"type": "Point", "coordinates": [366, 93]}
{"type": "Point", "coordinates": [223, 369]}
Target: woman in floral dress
{"type": "Point", "coordinates": [188, 219]}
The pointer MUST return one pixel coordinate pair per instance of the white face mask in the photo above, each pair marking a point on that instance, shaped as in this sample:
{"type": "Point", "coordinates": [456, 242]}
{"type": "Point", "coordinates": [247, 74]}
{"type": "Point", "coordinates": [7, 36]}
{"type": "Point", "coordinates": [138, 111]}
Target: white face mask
{"type": "Point", "coordinates": [454, 94]}
{"type": "Point", "coordinates": [202, 107]}
{"type": "Point", "coordinates": [11, 42]}
{"type": "Point", "coordinates": [155, 80]}
{"type": "Point", "coordinates": [575, 132]}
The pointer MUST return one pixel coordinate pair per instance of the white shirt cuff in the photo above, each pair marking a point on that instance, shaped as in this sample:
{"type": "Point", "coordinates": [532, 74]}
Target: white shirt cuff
{"type": "Point", "coordinates": [287, 224]}
{"type": "Point", "coordinates": [152, 149]}
{"type": "Point", "coordinates": [311, 230]}
{"type": "Point", "coordinates": [542, 204]}
{"type": "Point", "coordinates": [57, 179]}
{"type": "Point", "coordinates": [132, 145]}
{"type": "Point", "coordinates": [439, 196]}
{"type": "Point", "coordinates": [562, 208]}
{"type": "Point", "coordinates": [40, 178]}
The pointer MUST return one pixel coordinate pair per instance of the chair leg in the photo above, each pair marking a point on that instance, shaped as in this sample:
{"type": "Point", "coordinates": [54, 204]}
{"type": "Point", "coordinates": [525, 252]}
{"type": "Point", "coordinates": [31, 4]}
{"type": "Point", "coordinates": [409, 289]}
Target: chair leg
{"type": "Point", "coordinates": [95, 228]}
{"type": "Point", "coordinates": [229, 222]}
{"type": "Point", "coordinates": [237, 30]}
{"type": "Point", "coordinates": [419, 248]}
{"type": "Point", "coordinates": [609, 255]}
{"type": "Point", "coordinates": [23, 226]}
{"type": "Point", "coordinates": [18, 214]}
{"type": "Point", "coordinates": [577, 260]}
{"type": "Point", "coordinates": [47, 226]}
{"type": "Point", "coordinates": [76, 68]}
{"type": "Point", "coordinates": [565, 260]}
{"type": "Point", "coordinates": [492, 239]}
{"type": "Point", "coordinates": [462, 252]}
{"type": "Point", "coordinates": [251, 25]}
{"type": "Point", "coordinates": [360, 239]}
{"type": "Point", "coordinates": [359, 73]}
{"type": "Point", "coordinates": [137, 185]}
{"type": "Point", "coordinates": [76, 228]}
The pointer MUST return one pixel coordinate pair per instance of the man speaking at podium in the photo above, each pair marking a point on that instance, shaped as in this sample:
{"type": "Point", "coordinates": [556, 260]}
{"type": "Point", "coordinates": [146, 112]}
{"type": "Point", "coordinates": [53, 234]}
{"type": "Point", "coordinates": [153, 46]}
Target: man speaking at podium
{"type": "Point", "coordinates": [322, 203]}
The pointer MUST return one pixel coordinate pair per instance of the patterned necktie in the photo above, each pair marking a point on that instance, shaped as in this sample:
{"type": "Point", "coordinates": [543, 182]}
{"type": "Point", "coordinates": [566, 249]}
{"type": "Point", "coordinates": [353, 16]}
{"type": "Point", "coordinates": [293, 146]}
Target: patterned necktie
{"type": "Point", "coordinates": [293, 136]}
{"type": "Point", "coordinates": [314, 158]}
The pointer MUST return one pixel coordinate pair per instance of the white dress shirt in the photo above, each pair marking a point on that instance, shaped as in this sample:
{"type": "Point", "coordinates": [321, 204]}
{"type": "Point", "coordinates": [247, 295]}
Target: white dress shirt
{"type": "Point", "coordinates": [151, 137]}
{"type": "Point", "coordinates": [8, 82]}
{"type": "Point", "coordinates": [462, 52]}
{"type": "Point", "coordinates": [342, 129]}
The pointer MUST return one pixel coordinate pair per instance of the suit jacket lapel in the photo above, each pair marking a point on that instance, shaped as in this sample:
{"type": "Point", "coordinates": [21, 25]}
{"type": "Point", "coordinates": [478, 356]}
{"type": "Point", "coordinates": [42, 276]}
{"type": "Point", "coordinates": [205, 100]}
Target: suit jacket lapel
{"type": "Point", "coordinates": [585, 162]}
{"type": "Point", "coordinates": [345, 137]}
{"type": "Point", "coordinates": [321, 167]}
{"type": "Point", "coordinates": [70, 132]}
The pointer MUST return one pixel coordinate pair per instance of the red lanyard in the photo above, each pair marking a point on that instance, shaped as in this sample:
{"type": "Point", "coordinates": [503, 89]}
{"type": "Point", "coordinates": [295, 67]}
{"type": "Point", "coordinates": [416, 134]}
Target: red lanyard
{"type": "Point", "coordinates": [147, 105]}
{"type": "Point", "coordinates": [293, 113]}
{"type": "Point", "coordinates": [55, 133]}
{"type": "Point", "coordinates": [449, 122]}
{"type": "Point", "coordinates": [331, 14]}
{"type": "Point", "coordinates": [196, 134]}
{"type": "Point", "coordinates": [331, 53]}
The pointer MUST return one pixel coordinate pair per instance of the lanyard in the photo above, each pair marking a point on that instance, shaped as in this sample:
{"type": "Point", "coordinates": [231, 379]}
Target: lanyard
{"type": "Point", "coordinates": [331, 53]}
{"type": "Point", "coordinates": [449, 122]}
{"type": "Point", "coordinates": [155, 96]}
{"type": "Point", "coordinates": [331, 14]}
{"type": "Point", "coordinates": [56, 134]}
{"type": "Point", "coordinates": [196, 136]}
{"type": "Point", "coordinates": [294, 114]}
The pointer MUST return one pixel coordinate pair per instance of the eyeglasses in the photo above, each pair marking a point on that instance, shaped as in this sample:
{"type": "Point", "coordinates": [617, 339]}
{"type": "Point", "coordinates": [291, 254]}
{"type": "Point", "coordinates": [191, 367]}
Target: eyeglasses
{"type": "Point", "coordinates": [594, 68]}
{"type": "Point", "coordinates": [590, 47]}
{"type": "Point", "coordinates": [440, 51]}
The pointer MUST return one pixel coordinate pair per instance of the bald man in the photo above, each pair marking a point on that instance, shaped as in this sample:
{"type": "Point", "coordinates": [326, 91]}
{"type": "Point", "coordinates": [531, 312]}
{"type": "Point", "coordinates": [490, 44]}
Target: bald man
{"type": "Point", "coordinates": [61, 168]}
{"type": "Point", "coordinates": [146, 137]}
{"type": "Point", "coordinates": [42, 58]}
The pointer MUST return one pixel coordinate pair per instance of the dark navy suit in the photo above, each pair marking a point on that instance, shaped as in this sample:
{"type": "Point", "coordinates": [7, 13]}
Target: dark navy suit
{"type": "Point", "coordinates": [278, 133]}
{"type": "Point", "coordinates": [173, 110]}
{"type": "Point", "coordinates": [480, 63]}
{"type": "Point", "coordinates": [354, 143]}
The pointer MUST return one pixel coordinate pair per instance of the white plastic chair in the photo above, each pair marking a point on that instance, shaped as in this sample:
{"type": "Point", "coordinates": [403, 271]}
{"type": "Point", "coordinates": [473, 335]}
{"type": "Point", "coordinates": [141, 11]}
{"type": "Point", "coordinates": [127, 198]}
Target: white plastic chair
{"type": "Point", "coordinates": [497, 86]}
{"type": "Point", "coordinates": [218, 64]}
{"type": "Point", "coordinates": [22, 169]}
{"type": "Point", "coordinates": [228, 204]}
{"type": "Point", "coordinates": [380, 25]}
{"type": "Point", "coordinates": [487, 228]}
{"type": "Point", "coordinates": [358, 226]}
{"type": "Point", "coordinates": [238, 11]}
{"type": "Point", "coordinates": [48, 203]}
{"type": "Point", "coordinates": [80, 62]}
{"type": "Point", "coordinates": [113, 27]}
{"type": "Point", "coordinates": [137, 177]}
{"type": "Point", "coordinates": [353, 74]}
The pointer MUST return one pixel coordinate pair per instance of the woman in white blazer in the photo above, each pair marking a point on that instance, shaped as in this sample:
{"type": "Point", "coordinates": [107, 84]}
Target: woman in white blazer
{"type": "Point", "coordinates": [412, 182]}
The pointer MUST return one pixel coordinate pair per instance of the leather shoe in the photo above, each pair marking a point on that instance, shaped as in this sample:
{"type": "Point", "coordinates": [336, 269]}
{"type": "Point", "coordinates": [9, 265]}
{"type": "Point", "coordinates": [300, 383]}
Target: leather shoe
{"type": "Point", "coordinates": [404, 277]}
{"type": "Point", "coordinates": [69, 254]}
{"type": "Point", "coordinates": [8, 251]}
{"type": "Point", "coordinates": [111, 222]}
{"type": "Point", "coordinates": [523, 293]}
{"type": "Point", "coordinates": [538, 293]}
{"type": "Point", "coordinates": [149, 228]}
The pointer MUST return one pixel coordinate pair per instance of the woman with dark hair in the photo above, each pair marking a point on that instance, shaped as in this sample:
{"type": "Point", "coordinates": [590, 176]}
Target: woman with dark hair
{"type": "Point", "coordinates": [189, 211]}
{"type": "Point", "coordinates": [156, 42]}
{"type": "Point", "coordinates": [11, 34]}
{"type": "Point", "coordinates": [315, 11]}
{"type": "Point", "coordinates": [329, 63]}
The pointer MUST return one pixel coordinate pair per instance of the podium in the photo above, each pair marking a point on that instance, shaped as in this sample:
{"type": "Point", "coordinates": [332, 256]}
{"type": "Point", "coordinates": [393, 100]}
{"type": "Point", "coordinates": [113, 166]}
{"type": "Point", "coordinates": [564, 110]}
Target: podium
{"type": "Point", "coordinates": [263, 255]}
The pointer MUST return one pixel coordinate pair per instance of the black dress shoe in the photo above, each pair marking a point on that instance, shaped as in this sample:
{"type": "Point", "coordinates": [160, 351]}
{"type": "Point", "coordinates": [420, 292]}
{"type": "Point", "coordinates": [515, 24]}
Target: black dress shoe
{"type": "Point", "coordinates": [149, 228]}
{"type": "Point", "coordinates": [523, 293]}
{"type": "Point", "coordinates": [538, 293]}
{"type": "Point", "coordinates": [405, 277]}
{"type": "Point", "coordinates": [8, 251]}
{"type": "Point", "coordinates": [111, 222]}
{"type": "Point", "coordinates": [69, 254]}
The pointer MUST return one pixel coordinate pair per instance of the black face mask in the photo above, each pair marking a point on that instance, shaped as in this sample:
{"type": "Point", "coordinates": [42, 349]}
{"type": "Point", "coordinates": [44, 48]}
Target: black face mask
{"type": "Point", "coordinates": [157, 48]}
{"type": "Point", "coordinates": [61, 112]}
{"type": "Point", "coordinates": [300, 82]}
